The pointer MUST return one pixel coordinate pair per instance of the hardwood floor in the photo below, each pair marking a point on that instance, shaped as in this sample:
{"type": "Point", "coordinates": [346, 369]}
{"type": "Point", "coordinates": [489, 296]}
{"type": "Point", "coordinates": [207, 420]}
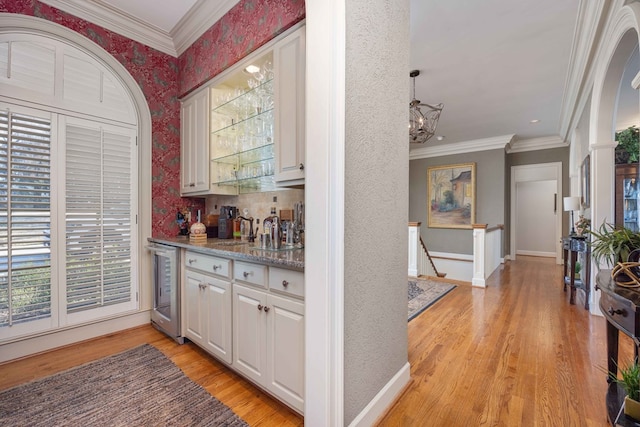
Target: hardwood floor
{"type": "Point", "coordinates": [251, 404]}
{"type": "Point", "coordinates": [513, 354]}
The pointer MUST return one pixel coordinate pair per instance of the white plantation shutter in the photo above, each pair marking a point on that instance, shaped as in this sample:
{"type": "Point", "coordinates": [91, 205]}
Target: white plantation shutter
{"type": "Point", "coordinates": [25, 220]}
{"type": "Point", "coordinates": [68, 187]}
{"type": "Point", "coordinates": [29, 65]}
{"type": "Point", "coordinates": [99, 222]}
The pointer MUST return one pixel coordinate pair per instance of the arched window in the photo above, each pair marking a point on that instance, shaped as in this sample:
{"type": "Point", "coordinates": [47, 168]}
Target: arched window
{"type": "Point", "coordinates": [69, 181]}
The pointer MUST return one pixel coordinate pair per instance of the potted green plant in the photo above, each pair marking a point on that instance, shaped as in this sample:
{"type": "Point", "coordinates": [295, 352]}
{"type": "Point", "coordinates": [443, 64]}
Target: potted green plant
{"type": "Point", "coordinates": [578, 270]}
{"type": "Point", "coordinates": [629, 380]}
{"type": "Point", "coordinates": [612, 245]}
{"type": "Point", "coordinates": [628, 149]}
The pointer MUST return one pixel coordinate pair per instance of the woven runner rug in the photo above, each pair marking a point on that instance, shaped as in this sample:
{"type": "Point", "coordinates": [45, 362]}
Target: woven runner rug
{"type": "Point", "coordinates": [425, 292]}
{"type": "Point", "coordinates": [139, 387]}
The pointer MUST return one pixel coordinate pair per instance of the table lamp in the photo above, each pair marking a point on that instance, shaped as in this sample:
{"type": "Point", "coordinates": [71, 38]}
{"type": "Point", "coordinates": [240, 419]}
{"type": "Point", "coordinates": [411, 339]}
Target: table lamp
{"type": "Point", "coordinates": [571, 203]}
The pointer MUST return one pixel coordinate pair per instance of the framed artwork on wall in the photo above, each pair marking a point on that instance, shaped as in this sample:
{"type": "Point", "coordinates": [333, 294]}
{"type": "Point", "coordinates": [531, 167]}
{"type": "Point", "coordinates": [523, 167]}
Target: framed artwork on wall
{"type": "Point", "coordinates": [584, 182]}
{"type": "Point", "coordinates": [451, 196]}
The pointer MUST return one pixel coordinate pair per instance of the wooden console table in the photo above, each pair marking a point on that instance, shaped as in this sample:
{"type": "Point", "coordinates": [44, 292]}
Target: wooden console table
{"type": "Point", "coordinates": [574, 245]}
{"type": "Point", "coordinates": [621, 308]}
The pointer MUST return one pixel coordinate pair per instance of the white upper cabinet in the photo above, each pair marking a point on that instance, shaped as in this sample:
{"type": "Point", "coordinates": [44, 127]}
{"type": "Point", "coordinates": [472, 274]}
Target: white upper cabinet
{"type": "Point", "coordinates": [194, 147]}
{"type": "Point", "coordinates": [289, 126]}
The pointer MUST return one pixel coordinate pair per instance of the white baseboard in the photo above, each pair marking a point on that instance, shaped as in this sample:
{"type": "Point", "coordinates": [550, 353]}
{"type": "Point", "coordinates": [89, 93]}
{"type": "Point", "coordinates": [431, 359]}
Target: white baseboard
{"type": "Point", "coordinates": [38, 344]}
{"type": "Point", "coordinates": [385, 397]}
{"type": "Point", "coordinates": [536, 253]}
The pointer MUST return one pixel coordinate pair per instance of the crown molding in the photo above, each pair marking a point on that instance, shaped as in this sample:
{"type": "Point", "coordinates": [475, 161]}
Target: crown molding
{"type": "Point", "coordinates": [579, 79]}
{"type": "Point", "coordinates": [534, 144]}
{"type": "Point", "coordinates": [101, 13]}
{"type": "Point", "coordinates": [199, 19]}
{"type": "Point", "coordinates": [484, 144]}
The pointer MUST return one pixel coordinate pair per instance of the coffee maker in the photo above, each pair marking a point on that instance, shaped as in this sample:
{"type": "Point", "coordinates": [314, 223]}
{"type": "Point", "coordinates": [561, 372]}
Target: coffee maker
{"type": "Point", "coordinates": [225, 222]}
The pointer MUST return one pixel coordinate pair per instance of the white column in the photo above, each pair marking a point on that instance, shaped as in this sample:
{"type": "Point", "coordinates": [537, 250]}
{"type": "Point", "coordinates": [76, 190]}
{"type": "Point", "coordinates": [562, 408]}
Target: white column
{"type": "Point", "coordinates": [602, 202]}
{"type": "Point", "coordinates": [414, 248]}
{"type": "Point", "coordinates": [479, 243]}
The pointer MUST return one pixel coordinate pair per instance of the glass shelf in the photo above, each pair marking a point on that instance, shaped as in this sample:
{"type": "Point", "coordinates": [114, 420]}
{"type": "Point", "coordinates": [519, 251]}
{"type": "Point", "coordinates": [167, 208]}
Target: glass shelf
{"type": "Point", "coordinates": [252, 184]}
{"type": "Point", "coordinates": [241, 130]}
{"type": "Point", "coordinates": [241, 104]}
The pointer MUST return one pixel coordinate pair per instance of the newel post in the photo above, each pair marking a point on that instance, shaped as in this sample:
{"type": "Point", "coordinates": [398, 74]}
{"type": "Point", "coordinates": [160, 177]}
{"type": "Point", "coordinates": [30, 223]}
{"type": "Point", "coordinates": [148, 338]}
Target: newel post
{"type": "Point", "coordinates": [479, 249]}
{"type": "Point", "coordinates": [414, 249]}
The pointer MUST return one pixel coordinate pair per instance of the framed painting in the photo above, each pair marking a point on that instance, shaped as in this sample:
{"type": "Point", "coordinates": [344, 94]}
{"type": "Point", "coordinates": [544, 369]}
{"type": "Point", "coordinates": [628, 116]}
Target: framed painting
{"type": "Point", "coordinates": [451, 196]}
{"type": "Point", "coordinates": [585, 178]}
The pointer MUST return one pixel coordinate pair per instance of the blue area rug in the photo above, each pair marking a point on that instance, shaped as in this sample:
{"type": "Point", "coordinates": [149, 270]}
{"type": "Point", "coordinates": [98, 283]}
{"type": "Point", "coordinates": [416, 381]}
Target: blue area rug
{"type": "Point", "coordinates": [422, 293]}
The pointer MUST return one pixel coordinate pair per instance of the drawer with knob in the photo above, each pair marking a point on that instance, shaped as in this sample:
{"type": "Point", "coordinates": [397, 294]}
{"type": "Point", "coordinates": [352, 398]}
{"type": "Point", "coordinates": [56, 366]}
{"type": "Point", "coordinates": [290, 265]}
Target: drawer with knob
{"type": "Point", "coordinates": [619, 311]}
{"type": "Point", "coordinates": [286, 281]}
{"type": "Point", "coordinates": [208, 264]}
{"type": "Point", "coordinates": [254, 274]}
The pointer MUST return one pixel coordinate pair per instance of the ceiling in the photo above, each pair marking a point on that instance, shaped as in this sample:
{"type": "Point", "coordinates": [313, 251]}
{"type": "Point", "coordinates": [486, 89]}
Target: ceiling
{"type": "Point", "coordinates": [497, 65]}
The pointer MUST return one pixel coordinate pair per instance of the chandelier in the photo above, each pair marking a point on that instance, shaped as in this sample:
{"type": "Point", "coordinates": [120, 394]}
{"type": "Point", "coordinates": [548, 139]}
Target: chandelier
{"type": "Point", "coordinates": [423, 118]}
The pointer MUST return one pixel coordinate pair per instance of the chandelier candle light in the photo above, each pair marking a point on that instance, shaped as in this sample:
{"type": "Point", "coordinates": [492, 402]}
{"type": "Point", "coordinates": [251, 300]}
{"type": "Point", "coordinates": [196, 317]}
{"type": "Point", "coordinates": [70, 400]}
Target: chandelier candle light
{"type": "Point", "coordinates": [422, 124]}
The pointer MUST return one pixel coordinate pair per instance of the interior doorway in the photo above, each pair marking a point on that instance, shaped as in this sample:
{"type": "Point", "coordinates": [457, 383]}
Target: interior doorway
{"type": "Point", "coordinates": [536, 210]}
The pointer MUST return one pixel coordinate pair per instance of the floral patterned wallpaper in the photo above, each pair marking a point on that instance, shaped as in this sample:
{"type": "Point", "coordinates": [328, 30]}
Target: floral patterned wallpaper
{"type": "Point", "coordinates": [162, 78]}
{"type": "Point", "coordinates": [246, 27]}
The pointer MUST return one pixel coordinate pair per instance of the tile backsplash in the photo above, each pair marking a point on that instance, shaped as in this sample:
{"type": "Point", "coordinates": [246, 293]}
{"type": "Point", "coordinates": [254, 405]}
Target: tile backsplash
{"type": "Point", "coordinates": [259, 204]}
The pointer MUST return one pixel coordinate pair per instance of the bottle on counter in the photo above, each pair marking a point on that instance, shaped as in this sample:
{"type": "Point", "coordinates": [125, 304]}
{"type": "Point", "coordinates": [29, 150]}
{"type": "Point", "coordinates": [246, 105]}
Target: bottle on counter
{"type": "Point", "coordinates": [236, 228]}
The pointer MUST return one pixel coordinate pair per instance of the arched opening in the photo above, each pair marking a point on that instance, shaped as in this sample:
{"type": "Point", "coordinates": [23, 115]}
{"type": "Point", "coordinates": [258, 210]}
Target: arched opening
{"type": "Point", "coordinates": [112, 83]}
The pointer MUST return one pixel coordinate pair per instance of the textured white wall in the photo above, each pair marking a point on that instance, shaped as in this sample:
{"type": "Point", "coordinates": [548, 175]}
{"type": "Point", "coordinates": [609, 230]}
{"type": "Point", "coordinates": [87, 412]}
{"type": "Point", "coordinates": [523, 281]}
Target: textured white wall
{"type": "Point", "coordinates": [376, 198]}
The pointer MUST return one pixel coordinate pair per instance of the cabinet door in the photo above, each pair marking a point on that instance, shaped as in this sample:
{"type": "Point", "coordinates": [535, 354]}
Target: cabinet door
{"type": "Point", "coordinates": [289, 112]}
{"type": "Point", "coordinates": [249, 332]}
{"type": "Point", "coordinates": [217, 317]}
{"type": "Point", "coordinates": [194, 144]}
{"type": "Point", "coordinates": [194, 295]}
{"type": "Point", "coordinates": [285, 347]}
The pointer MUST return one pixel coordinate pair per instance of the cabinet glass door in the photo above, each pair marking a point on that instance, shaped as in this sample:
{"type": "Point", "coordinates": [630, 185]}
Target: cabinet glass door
{"type": "Point", "coordinates": [630, 203]}
{"type": "Point", "coordinates": [241, 124]}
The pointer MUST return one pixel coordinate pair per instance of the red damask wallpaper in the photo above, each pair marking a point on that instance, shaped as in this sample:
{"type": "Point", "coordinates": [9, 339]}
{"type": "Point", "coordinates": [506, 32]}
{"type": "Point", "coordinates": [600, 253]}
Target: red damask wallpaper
{"type": "Point", "coordinates": [163, 78]}
{"type": "Point", "coordinates": [247, 26]}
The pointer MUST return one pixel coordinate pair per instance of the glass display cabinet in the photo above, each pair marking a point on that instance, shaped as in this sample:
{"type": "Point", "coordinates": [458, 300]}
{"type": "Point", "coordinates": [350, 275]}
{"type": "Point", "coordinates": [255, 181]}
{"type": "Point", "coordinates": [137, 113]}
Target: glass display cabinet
{"type": "Point", "coordinates": [626, 202]}
{"type": "Point", "coordinates": [241, 126]}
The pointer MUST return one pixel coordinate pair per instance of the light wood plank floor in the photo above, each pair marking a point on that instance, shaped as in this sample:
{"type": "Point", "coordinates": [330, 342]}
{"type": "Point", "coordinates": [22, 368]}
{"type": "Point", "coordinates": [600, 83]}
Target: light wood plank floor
{"type": "Point", "coordinates": [514, 354]}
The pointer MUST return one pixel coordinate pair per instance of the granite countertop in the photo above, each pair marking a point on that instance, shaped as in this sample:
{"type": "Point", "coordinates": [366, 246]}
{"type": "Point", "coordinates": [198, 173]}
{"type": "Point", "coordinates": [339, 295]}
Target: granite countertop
{"type": "Point", "coordinates": [292, 259]}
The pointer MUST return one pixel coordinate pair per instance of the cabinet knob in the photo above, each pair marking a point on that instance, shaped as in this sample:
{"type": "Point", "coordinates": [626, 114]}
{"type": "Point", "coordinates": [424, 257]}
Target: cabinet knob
{"type": "Point", "coordinates": [201, 285]}
{"type": "Point", "coordinates": [247, 274]}
{"type": "Point", "coordinates": [266, 309]}
{"type": "Point", "coordinates": [191, 260]}
{"type": "Point", "coordinates": [216, 267]}
{"type": "Point", "coordinates": [260, 307]}
{"type": "Point", "coordinates": [192, 184]}
{"type": "Point", "coordinates": [301, 166]}
{"type": "Point", "coordinates": [285, 283]}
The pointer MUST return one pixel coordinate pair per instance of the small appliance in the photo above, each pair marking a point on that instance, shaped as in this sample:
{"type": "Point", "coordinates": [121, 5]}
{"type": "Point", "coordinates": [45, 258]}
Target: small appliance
{"type": "Point", "coordinates": [225, 222]}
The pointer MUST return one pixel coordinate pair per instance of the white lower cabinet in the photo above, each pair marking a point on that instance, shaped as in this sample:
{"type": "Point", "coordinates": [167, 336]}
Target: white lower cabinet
{"type": "Point", "coordinates": [268, 342]}
{"type": "Point", "coordinates": [250, 316]}
{"type": "Point", "coordinates": [208, 313]}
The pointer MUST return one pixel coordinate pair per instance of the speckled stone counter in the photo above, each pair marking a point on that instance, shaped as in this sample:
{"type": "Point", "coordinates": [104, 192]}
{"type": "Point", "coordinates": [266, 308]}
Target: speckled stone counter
{"type": "Point", "coordinates": [292, 259]}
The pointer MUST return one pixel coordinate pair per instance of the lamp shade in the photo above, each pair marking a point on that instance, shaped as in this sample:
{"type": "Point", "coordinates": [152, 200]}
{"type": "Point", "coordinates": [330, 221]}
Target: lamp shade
{"type": "Point", "coordinates": [571, 203]}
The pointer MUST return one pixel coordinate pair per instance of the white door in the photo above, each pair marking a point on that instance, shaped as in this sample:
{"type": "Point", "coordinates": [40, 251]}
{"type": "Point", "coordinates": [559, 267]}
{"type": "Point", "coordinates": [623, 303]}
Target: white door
{"type": "Point", "coordinates": [285, 346]}
{"type": "Point", "coordinates": [193, 301]}
{"type": "Point", "coordinates": [537, 205]}
{"type": "Point", "coordinates": [537, 200]}
{"type": "Point", "coordinates": [249, 332]}
{"type": "Point", "coordinates": [218, 318]}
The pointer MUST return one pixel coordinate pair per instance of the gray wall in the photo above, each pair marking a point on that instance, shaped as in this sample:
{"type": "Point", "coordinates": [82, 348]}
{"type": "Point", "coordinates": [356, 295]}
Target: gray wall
{"type": "Point", "coordinates": [490, 198]}
{"type": "Point", "coordinates": [531, 158]}
{"type": "Point", "coordinates": [376, 198]}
